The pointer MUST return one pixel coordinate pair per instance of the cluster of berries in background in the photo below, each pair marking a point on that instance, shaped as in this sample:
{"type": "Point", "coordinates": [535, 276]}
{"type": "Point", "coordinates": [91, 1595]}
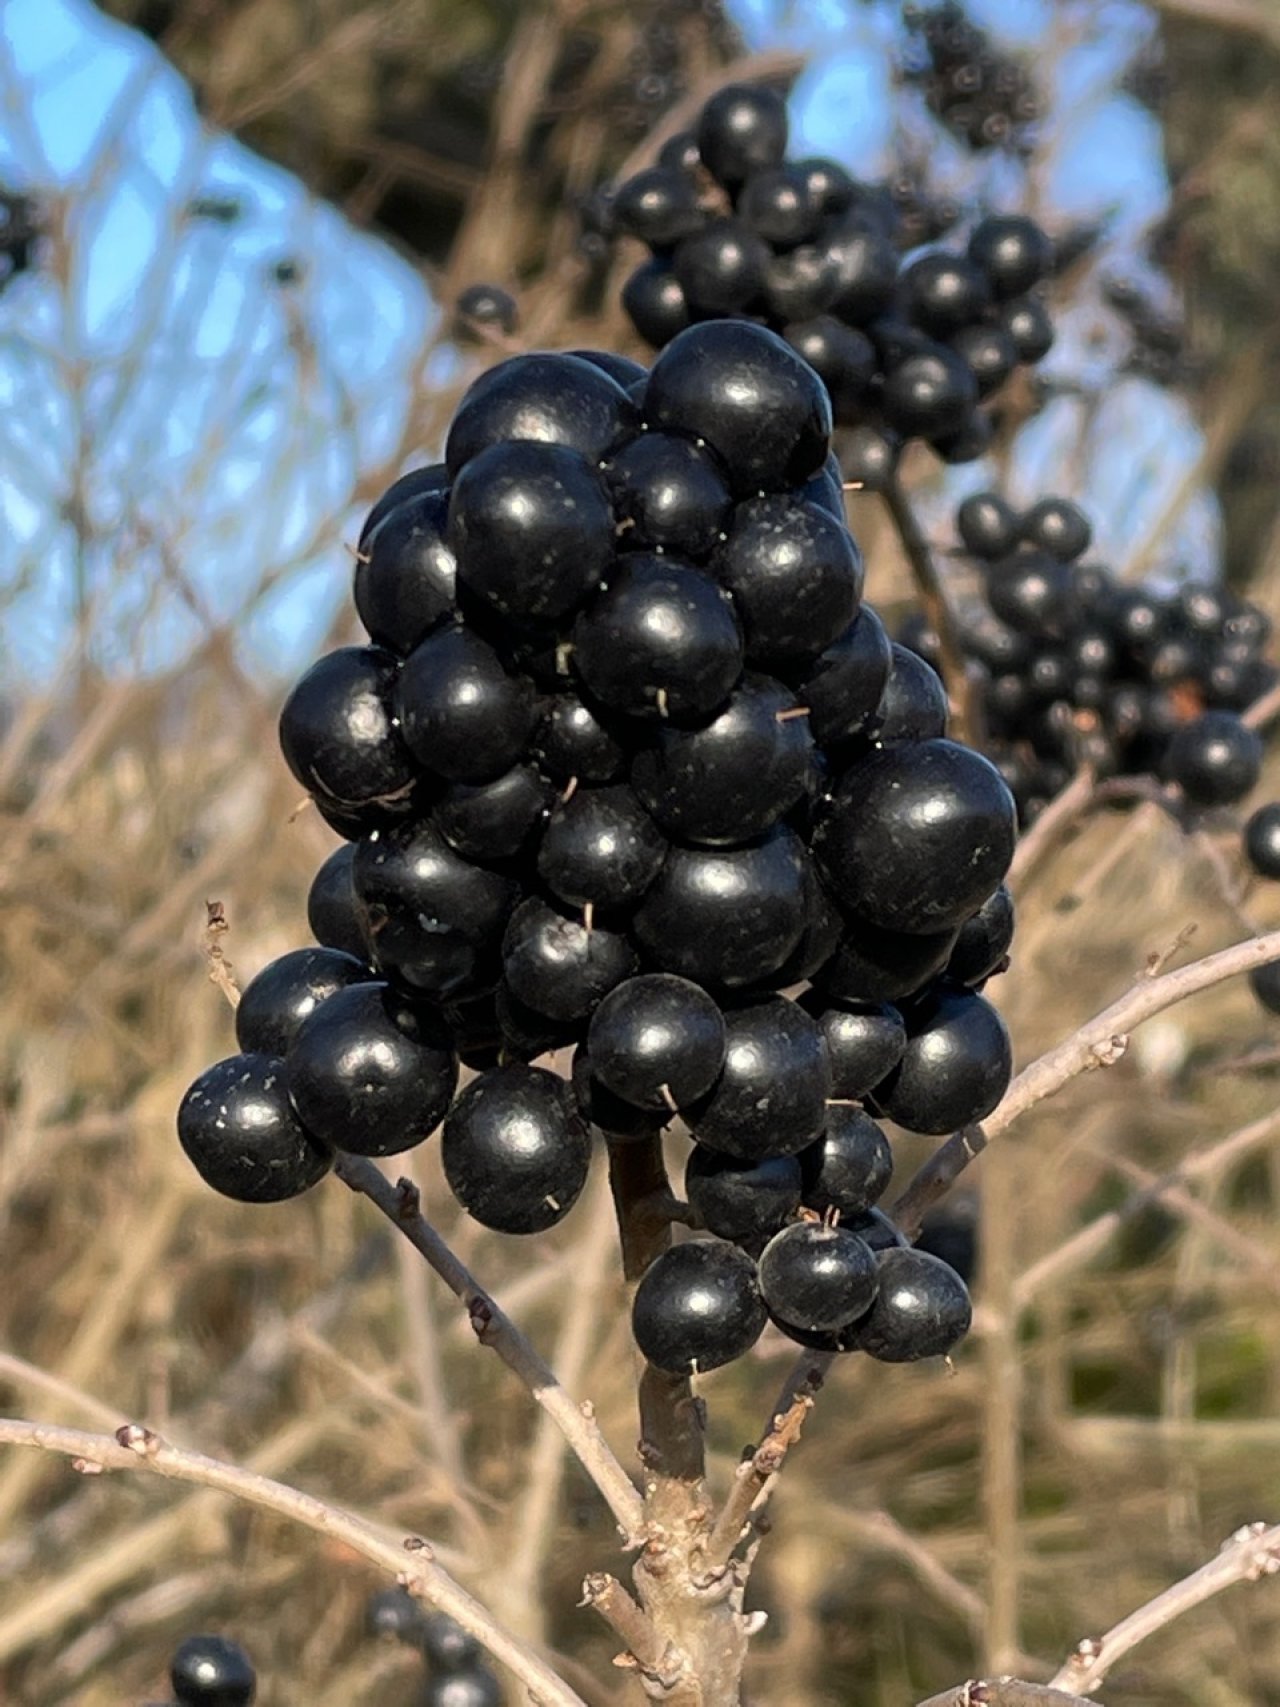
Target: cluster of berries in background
{"type": "Point", "coordinates": [985, 98]}
{"type": "Point", "coordinates": [458, 1673]}
{"type": "Point", "coordinates": [214, 1671]}
{"type": "Point", "coordinates": [1076, 669]}
{"type": "Point", "coordinates": [908, 348]}
{"type": "Point", "coordinates": [626, 758]}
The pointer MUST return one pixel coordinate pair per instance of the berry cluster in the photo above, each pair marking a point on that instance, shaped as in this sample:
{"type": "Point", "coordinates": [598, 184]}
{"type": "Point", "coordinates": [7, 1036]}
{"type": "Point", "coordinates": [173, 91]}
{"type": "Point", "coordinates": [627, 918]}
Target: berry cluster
{"type": "Point", "coordinates": [211, 1671]}
{"type": "Point", "coordinates": [458, 1670]}
{"type": "Point", "coordinates": [1077, 669]}
{"type": "Point", "coordinates": [984, 97]}
{"type": "Point", "coordinates": [625, 758]}
{"type": "Point", "coordinates": [906, 349]}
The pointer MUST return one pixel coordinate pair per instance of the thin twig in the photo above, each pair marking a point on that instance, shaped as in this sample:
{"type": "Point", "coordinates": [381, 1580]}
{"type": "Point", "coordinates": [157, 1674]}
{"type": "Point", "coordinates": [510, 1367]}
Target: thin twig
{"type": "Point", "coordinates": [493, 1328]}
{"type": "Point", "coordinates": [644, 1646]}
{"type": "Point", "coordinates": [1082, 1247]}
{"type": "Point", "coordinates": [1251, 1553]}
{"type": "Point", "coordinates": [412, 1562]}
{"type": "Point", "coordinates": [1099, 1042]}
{"type": "Point", "coordinates": [754, 1479]}
{"type": "Point", "coordinates": [1003, 1692]}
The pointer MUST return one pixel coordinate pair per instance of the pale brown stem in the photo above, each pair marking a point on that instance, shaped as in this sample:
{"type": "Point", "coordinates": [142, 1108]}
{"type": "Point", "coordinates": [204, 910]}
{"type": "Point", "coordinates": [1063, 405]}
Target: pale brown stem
{"type": "Point", "coordinates": [605, 1594]}
{"type": "Point", "coordinates": [411, 1562]}
{"type": "Point", "coordinates": [493, 1328]}
{"type": "Point", "coordinates": [754, 1479]}
{"type": "Point", "coordinates": [1250, 1554]}
{"type": "Point", "coordinates": [1050, 827]}
{"type": "Point", "coordinates": [1003, 1692]}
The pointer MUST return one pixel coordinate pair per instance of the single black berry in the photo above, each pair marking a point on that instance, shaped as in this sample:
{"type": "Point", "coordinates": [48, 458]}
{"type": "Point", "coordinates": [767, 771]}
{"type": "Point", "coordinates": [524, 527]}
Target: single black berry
{"type": "Point", "coordinates": [817, 1276]}
{"type": "Point", "coordinates": [406, 574]}
{"type": "Point", "coordinates": [984, 940]}
{"type": "Point", "coordinates": [495, 820]}
{"type": "Point", "coordinates": [922, 1309]}
{"type": "Point", "coordinates": [955, 1068]}
{"type": "Point", "coordinates": [333, 914]}
{"type": "Point", "coordinates": [287, 991]}
{"type": "Point", "coordinates": [865, 1041]}
{"type": "Point", "coordinates": [1262, 840]}
{"type": "Point", "coordinates": [742, 1201]}
{"type": "Point", "coordinates": [553, 399]}
{"type": "Point", "coordinates": [462, 715]}
{"type": "Point", "coordinates": [771, 1096]}
{"type": "Point", "coordinates": [600, 849]}
{"type": "Point", "coordinates": [697, 1307]}
{"type": "Point", "coordinates": [795, 576]}
{"type": "Point", "coordinates": [212, 1671]}
{"type": "Point", "coordinates": [515, 1149]}
{"type": "Point", "coordinates": [1216, 759]}
{"type": "Point", "coordinates": [370, 1072]}
{"type": "Point", "coordinates": [847, 1169]}
{"type": "Point", "coordinates": [243, 1135]}
{"type": "Point", "coordinates": [668, 495]}
{"type": "Point", "coordinates": [657, 1041]}
{"type": "Point", "coordinates": [742, 129]}
{"type": "Point", "coordinates": [338, 733]}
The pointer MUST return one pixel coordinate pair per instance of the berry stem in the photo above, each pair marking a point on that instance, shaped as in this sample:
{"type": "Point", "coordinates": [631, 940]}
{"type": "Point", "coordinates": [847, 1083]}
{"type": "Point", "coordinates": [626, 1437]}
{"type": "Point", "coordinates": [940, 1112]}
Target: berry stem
{"type": "Point", "coordinates": [754, 1478]}
{"type": "Point", "coordinates": [496, 1330]}
{"type": "Point", "coordinates": [955, 676]}
{"type": "Point", "coordinates": [1098, 1042]}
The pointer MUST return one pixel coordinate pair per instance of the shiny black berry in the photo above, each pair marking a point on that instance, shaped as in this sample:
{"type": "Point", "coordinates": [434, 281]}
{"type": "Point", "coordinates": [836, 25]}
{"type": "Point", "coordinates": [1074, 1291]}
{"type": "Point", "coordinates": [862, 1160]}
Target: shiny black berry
{"type": "Point", "coordinates": [371, 1073]}
{"type": "Point", "coordinates": [846, 1169]}
{"type": "Point", "coordinates": [243, 1136]}
{"type": "Point", "coordinates": [1216, 759]}
{"type": "Point", "coordinates": [817, 1276]}
{"type": "Point", "coordinates": [661, 641]}
{"type": "Point", "coordinates": [795, 576]}
{"type": "Point", "coordinates": [737, 775]}
{"type": "Point", "coordinates": [212, 1671]}
{"type": "Point", "coordinates": [760, 407]}
{"type": "Point", "coordinates": [917, 836]}
{"type": "Point", "coordinates": [657, 1041]}
{"type": "Point", "coordinates": [531, 529]}
{"type": "Point", "coordinates": [462, 715]}
{"type": "Point", "coordinates": [406, 575]}
{"type": "Point", "coordinates": [727, 917]}
{"type": "Point", "coordinates": [552, 399]}
{"type": "Point", "coordinates": [600, 848]}
{"type": "Point", "coordinates": [333, 914]}
{"type": "Point", "coordinates": [571, 744]}
{"type": "Point", "coordinates": [922, 1309]}
{"type": "Point", "coordinates": [495, 820]}
{"type": "Point", "coordinates": [742, 129]}
{"type": "Point", "coordinates": [698, 1307]}
{"type": "Point", "coordinates": [337, 730]}
{"type": "Point", "coordinates": [668, 494]}
{"type": "Point", "coordinates": [771, 1096]}
{"type": "Point", "coordinates": [843, 685]}
{"type": "Point", "coordinates": [984, 940]}
{"type": "Point", "coordinates": [742, 1201]}
{"type": "Point", "coordinates": [515, 1149]}
{"type": "Point", "coordinates": [955, 1068]}
{"type": "Point", "coordinates": [559, 966]}
{"type": "Point", "coordinates": [1262, 840]}
{"type": "Point", "coordinates": [865, 1041]}
{"type": "Point", "coordinates": [287, 991]}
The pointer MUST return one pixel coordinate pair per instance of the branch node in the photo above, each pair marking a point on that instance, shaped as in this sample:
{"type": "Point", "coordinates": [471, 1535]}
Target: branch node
{"type": "Point", "coordinates": [138, 1440]}
{"type": "Point", "coordinates": [408, 1199]}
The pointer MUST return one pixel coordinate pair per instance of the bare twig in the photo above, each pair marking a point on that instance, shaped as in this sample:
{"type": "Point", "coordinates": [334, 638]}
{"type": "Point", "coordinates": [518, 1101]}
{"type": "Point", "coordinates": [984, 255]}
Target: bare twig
{"type": "Point", "coordinates": [1251, 1553]}
{"type": "Point", "coordinates": [133, 1447]}
{"type": "Point", "coordinates": [754, 1479]}
{"type": "Point", "coordinates": [1002, 1692]}
{"type": "Point", "coordinates": [1100, 1042]}
{"type": "Point", "coordinates": [221, 971]}
{"type": "Point", "coordinates": [1082, 1247]}
{"type": "Point", "coordinates": [495, 1329]}
{"type": "Point", "coordinates": [645, 1648]}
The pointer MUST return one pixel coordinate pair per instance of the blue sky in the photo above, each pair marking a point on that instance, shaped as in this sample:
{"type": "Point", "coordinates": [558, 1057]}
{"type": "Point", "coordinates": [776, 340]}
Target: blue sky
{"type": "Point", "coordinates": [229, 416]}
